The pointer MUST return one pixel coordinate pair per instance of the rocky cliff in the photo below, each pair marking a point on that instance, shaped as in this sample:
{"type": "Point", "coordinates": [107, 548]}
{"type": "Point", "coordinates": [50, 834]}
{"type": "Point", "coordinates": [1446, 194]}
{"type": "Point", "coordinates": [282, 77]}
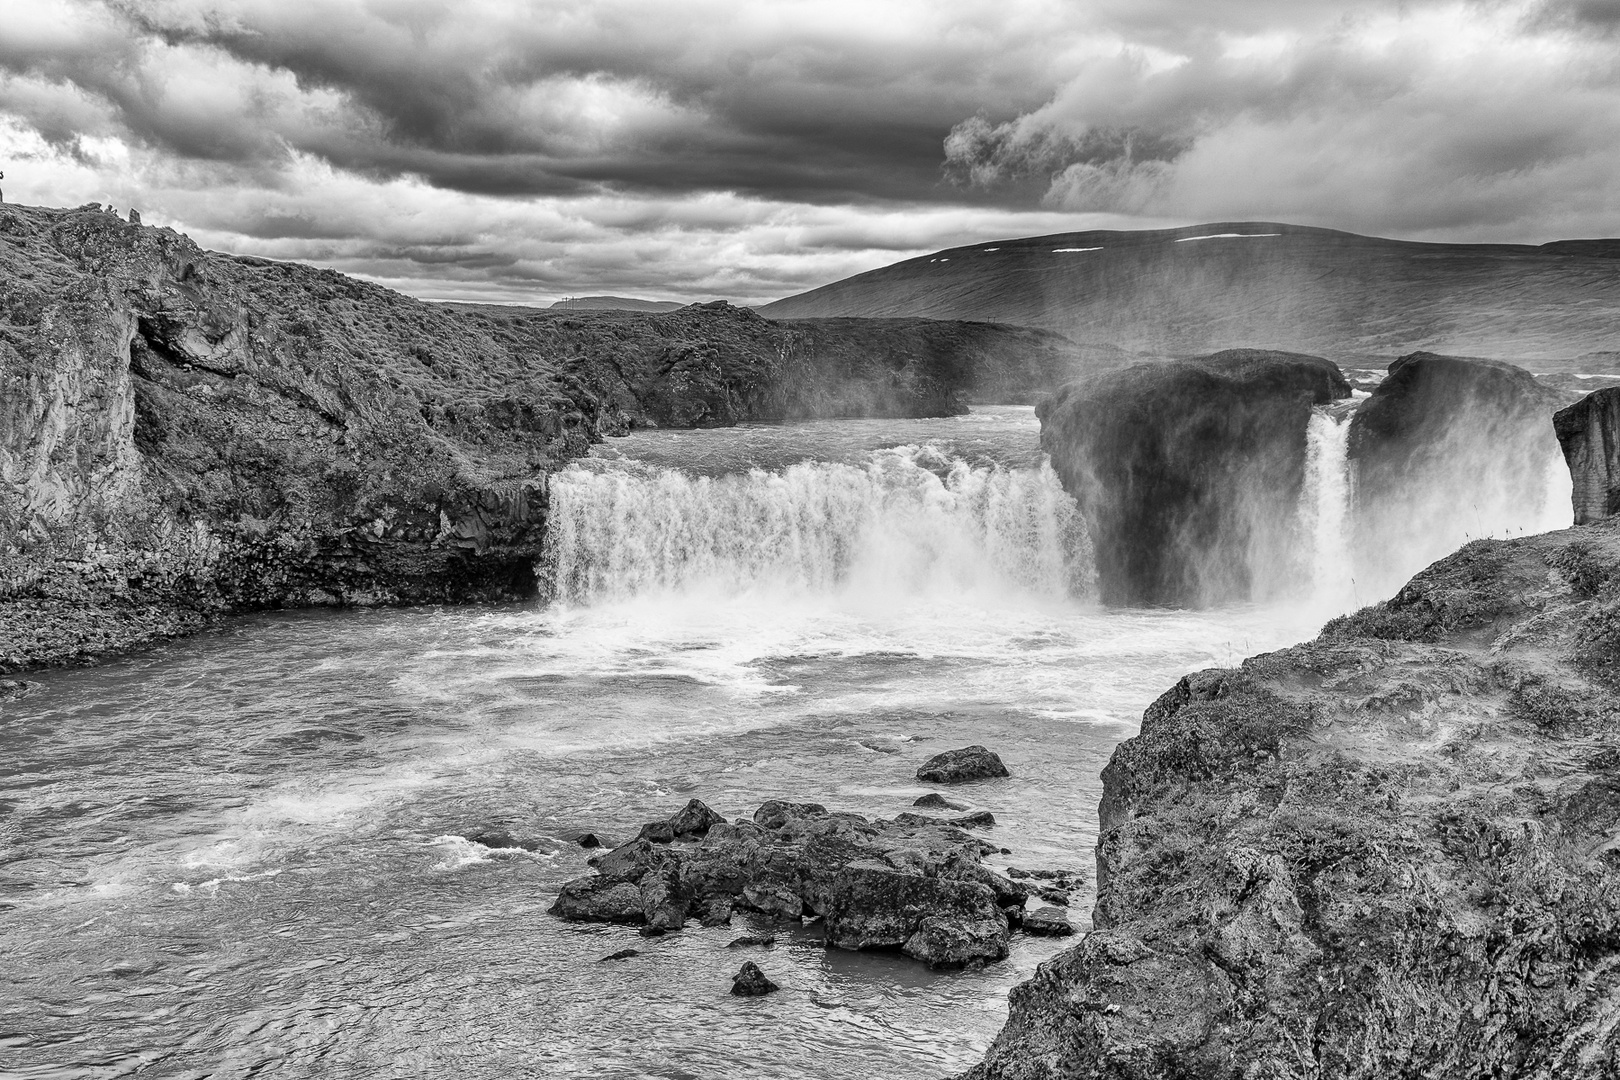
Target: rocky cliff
{"type": "Point", "coordinates": [1589, 434]}
{"type": "Point", "coordinates": [1393, 851]}
{"type": "Point", "coordinates": [1448, 449]}
{"type": "Point", "coordinates": [1189, 472]}
{"type": "Point", "coordinates": [184, 432]}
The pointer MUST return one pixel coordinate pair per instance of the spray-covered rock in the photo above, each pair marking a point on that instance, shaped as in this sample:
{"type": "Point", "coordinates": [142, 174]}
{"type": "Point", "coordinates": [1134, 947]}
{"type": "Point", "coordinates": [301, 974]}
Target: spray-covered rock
{"type": "Point", "coordinates": [1447, 450]}
{"type": "Point", "coordinates": [1589, 434]}
{"type": "Point", "coordinates": [1189, 472]}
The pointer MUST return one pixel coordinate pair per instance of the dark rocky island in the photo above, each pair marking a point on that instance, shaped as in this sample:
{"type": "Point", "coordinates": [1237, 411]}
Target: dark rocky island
{"type": "Point", "coordinates": [1188, 472]}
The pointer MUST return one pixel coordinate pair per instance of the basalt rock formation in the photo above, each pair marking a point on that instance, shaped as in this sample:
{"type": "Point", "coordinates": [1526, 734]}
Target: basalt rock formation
{"type": "Point", "coordinates": [1445, 450]}
{"type": "Point", "coordinates": [1189, 471]}
{"type": "Point", "coordinates": [915, 886]}
{"type": "Point", "coordinates": [1589, 434]}
{"type": "Point", "coordinates": [1393, 851]}
{"type": "Point", "coordinates": [184, 432]}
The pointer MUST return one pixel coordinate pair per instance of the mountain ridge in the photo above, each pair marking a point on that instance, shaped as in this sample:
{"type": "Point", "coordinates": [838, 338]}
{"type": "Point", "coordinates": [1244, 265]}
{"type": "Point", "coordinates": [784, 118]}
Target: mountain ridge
{"type": "Point", "coordinates": [1258, 284]}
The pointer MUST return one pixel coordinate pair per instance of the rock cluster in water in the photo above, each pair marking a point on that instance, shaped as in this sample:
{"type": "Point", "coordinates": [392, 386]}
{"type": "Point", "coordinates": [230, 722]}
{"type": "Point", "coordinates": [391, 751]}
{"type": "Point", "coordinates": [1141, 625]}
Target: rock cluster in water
{"type": "Point", "coordinates": [1391, 851]}
{"type": "Point", "coordinates": [1189, 472]}
{"type": "Point", "coordinates": [915, 885]}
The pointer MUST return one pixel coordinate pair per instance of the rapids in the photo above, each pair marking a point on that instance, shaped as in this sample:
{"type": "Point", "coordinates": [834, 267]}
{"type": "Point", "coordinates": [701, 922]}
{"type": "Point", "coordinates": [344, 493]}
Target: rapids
{"type": "Point", "coordinates": [239, 855]}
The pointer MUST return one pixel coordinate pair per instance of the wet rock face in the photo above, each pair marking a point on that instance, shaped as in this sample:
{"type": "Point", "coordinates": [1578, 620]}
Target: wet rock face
{"type": "Point", "coordinates": [919, 888]}
{"type": "Point", "coordinates": [1445, 450]}
{"type": "Point", "coordinates": [1387, 852]}
{"type": "Point", "coordinates": [1189, 472]}
{"type": "Point", "coordinates": [956, 766]}
{"type": "Point", "coordinates": [1589, 434]}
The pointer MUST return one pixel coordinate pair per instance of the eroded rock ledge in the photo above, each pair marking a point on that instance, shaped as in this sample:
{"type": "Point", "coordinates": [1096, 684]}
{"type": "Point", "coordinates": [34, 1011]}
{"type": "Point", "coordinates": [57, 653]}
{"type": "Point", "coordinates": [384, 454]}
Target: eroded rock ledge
{"type": "Point", "coordinates": [1393, 851]}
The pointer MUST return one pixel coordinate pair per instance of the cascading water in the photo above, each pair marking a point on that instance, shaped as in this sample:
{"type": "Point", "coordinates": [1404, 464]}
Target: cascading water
{"type": "Point", "coordinates": [911, 521]}
{"type": "Point", "coordinates": [1325, 508]}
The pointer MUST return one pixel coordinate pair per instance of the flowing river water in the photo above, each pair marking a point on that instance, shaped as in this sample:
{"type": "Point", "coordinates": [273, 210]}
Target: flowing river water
{"type": "Point", "coordinates": [240, 855]}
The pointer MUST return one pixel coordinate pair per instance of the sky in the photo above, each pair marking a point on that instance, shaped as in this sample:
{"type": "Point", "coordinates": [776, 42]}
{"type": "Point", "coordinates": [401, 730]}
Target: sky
{"type": "Point", "coordinates": [526, 150]}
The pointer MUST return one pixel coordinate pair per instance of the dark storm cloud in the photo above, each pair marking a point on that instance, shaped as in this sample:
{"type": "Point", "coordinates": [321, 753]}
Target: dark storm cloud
{"type": "Point", "coordinates": [747, 149]}
{"type": "Point", "coordinates": [551, 98]}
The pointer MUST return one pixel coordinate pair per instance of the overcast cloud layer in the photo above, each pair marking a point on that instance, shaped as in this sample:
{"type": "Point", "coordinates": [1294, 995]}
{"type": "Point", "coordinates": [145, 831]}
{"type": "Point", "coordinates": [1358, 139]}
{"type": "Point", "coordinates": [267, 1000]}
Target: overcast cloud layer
{"type": "Point", "coordinates": [691, 149]}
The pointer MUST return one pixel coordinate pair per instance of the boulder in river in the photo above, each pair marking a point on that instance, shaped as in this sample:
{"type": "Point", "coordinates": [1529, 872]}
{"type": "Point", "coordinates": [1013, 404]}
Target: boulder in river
{"type": "Point", "coordinates": [977, 819]}
{"type": "Point", "coordinates": [1048, 922]}
{"type": "Point", "coordinates": [751, 982]}
{"type": "Point", "coordinates": [1189, 472]}
{"type": "Point", "coordinates": [935, 801]}
{"type": "Point", "coordinates": [955, 766]}
{"type": "Point", "coordinates": [1589, 434]}
{"type": "Point", "coordinates": [919, 887]}
{"type": "Point", "coordinates": [1387, 852]}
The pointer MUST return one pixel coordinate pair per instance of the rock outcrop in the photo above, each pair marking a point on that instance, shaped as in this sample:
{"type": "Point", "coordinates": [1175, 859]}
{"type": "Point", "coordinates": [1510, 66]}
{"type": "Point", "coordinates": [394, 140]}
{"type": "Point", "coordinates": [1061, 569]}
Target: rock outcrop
{"type": "Point", "coordinates": [1445, 450]}
{"type": "Point", "coordinates": [1189, 472]}
{"type": "Point", "coordinates": [1393, 851]}
{"type": "Point", "coordinates": [184, 433]}
{"type": "Point", "coordinates": [1589, 434]}
{"type": "Point", "coordinates": [917, 887]}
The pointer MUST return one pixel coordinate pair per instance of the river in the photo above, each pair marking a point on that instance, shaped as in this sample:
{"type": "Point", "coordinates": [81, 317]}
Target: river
{"type": "Point", "coordinates": [239, 855]}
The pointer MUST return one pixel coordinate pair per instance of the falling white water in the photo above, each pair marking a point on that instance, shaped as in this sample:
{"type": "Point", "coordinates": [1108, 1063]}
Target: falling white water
{"type": "Point", "coordinates": [1325, 509]}
{"type": "Point", "coordinates": [910, 521]}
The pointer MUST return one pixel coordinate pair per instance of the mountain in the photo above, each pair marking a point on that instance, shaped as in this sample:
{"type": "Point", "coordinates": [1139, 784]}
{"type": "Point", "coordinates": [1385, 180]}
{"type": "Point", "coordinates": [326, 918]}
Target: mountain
{"type": "Point", "coordinates": [1262, 285]}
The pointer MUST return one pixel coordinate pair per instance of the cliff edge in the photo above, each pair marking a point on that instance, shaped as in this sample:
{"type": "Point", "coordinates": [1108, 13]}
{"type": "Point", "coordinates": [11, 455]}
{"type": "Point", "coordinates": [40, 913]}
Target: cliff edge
{"type": "Point", "coordinates": [1393, 851]}
{"type": "Point", "coordinates": [185, 432]}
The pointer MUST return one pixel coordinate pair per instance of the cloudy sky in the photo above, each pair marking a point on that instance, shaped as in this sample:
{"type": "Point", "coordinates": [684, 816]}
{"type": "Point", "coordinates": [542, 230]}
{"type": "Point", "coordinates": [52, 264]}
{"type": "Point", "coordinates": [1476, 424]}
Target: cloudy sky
{"type": "Point", "coordinates": [523, 150]}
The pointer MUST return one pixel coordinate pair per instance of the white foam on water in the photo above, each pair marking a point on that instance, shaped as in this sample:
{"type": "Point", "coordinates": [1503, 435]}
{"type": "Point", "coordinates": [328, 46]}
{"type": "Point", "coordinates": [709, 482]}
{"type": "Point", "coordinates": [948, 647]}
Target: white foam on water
{"type": "Point", "coordinates": [1057, 251]}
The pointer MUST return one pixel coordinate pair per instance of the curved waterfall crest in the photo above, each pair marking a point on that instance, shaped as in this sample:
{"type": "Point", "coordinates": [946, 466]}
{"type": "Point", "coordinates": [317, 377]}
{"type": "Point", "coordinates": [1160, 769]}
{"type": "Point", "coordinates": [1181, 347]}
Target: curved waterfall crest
{"type": "Point", "coordinates": [909, 521]}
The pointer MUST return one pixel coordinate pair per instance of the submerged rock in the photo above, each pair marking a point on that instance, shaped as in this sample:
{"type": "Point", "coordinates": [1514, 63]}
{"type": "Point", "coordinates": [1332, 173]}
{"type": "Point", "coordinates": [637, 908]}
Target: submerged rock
{"type": "Point", "coordinates": [935, 801]}
{"type": "Point", "coordinates": [1189, 472]}
{"type": "Point", "coordinates": [1589, 434]}
{"type": "Point", "coordinates": [622, 954]}
{"type": "Point", "coordinates": [749, 941]}
{"type": "Point", "coordinates": [1388, 852]}
{"type": "Point", "coordinates": [496, 837]}
{"type": "Point", "coordinates": [751, 982]}
{"type": "Point", "coordinates": [978, 819]}
{"type": "Point", "coordinates": [1048, 922]}
{"type": "Point", "coordinates": [955, 766]}
{"type": "Point", "coordinates": [917, 886]}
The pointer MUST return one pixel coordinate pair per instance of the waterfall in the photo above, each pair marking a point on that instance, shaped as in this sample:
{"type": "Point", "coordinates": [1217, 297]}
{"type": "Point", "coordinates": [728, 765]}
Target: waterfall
{"type": "Point", "coordinates": [909, 521]}
{"type": "Point", "coordinates": [1325, 508]}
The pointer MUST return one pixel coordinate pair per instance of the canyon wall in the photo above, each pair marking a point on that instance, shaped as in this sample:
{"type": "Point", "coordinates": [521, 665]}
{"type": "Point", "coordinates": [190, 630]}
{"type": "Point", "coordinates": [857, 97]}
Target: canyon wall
{"type": "Point", "coordinates": [1589, 435]}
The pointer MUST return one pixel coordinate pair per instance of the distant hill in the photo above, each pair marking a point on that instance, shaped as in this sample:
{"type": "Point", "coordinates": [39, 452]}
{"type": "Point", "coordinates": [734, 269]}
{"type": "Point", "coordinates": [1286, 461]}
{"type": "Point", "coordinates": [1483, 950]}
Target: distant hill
{"type": "Point", "coordinates": [614, 303]}
{"type": "Point", "coordinates": [1263, 285]}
